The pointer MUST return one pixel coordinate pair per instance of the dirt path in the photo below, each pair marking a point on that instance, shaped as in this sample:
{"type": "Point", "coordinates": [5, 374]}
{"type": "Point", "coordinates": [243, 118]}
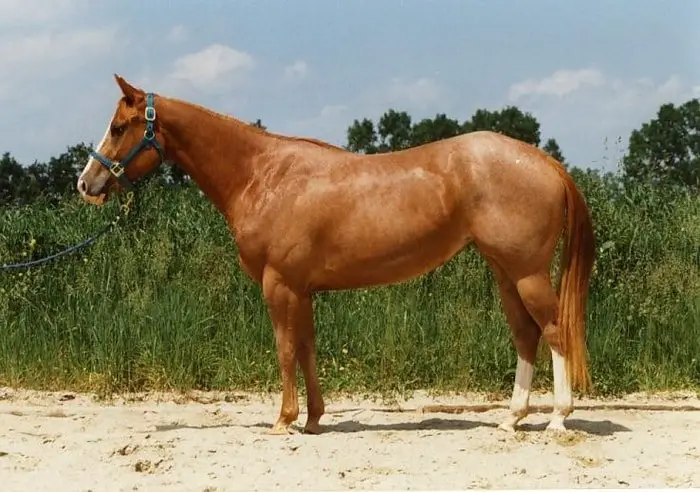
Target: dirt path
{"type": "Point", "coordinates": [166, 442]}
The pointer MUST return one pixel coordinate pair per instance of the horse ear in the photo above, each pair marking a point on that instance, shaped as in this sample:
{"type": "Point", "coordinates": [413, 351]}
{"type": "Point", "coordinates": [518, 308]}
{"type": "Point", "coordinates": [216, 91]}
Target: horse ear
{"type": "Point", "coordinates": [131, 93]}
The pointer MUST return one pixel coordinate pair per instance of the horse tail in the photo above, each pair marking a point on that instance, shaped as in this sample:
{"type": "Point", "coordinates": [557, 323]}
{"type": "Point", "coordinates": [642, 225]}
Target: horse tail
{"type": "Point", "coordinates": [576, 267]}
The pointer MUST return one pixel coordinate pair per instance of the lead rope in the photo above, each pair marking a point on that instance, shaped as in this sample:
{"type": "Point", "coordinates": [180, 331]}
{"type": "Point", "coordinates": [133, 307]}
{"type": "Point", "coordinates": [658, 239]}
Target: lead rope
{"type": "Point", "coordinates": [124, 210]}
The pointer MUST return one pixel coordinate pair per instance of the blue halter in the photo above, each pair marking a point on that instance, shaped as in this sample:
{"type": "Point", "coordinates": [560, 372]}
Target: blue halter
{"type": "Point", "coordinates": [149, 140]}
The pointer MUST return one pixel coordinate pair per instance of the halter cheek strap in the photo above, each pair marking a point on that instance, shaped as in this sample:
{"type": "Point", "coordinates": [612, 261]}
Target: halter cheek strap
{"type": "Point", "coordinates": [118, 168]}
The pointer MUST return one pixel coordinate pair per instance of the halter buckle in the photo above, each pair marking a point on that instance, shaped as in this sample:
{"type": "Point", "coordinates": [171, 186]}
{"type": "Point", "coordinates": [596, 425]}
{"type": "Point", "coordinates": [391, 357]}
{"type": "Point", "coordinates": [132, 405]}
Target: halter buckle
{"type": "Point", "coordinates": [117, 169]}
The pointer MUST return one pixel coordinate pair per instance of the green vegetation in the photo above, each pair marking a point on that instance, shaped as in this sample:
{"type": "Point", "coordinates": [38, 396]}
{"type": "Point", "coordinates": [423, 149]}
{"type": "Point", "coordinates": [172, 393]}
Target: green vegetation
{"type": "Point", "coordinates": [161, 302]}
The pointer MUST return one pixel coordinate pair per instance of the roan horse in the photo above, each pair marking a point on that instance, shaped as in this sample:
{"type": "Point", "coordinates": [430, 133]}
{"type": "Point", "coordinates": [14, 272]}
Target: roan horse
{"type": "Point", "coordinates": [308, 216]}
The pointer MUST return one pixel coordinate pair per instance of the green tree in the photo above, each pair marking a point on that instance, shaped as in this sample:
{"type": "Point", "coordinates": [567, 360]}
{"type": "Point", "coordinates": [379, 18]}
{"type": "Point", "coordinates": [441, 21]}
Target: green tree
{"type": "Point", "coordinates": [434, 129]}
{"type": "Point", "coordinates": [362, 137]}
{"type": "Point", "coordinates": [12, 176]}
{"type": "Point", "coordinates": [510, 121]}
{"type": "Point", "coordinates": [551, 146]}
{"type": "Point", "coordinates": [666, 149]}
{"type": "Point", "coordinates": [63, 170]}
{"type": "Point", "coordinates": [35, 182]}
{"type": "Point", "coordinates": [395, 131]}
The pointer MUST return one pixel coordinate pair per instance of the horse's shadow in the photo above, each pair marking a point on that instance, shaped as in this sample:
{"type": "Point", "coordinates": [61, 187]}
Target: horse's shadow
{"type": "Point", "coordinates": [436, 424]}
{"type": "Point", "coordinates": [602, 428]}
{"type": "Point", "coordinates": [592, 427]}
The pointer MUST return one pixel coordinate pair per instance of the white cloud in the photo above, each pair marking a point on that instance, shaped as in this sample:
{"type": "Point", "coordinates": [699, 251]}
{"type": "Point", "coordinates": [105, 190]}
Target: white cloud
{"type": "Point", "coordinates": [326, 125]}
{"type": "Point", "coordinates": [420, 97]}
{"type": "Point", "coordinates": [212, 68]}
{"type": "Point", "coordinates": [672, 86]}
{"type": "Point", "coordinates": [420, 93]}
{"type": "Point", "coordinates": [559, 83]}
{"type": "Point", "coordinates": [642, 96]}
{"type": "Point", "coordinates": [47, 55]}
{"type": "Point", "coordinates": [595, 91]}
{"type": "Point", "coordinates": [15, 12]}
{"type": "Point", "coordinates": [177, 33]}
{"type": "Point", "coordinates": [36, 51]}
{"type": "Point", "coordinates": [332, 110]}
{"type": "Point", "coordinates": [296, 71]}
{"type": "Point", "coordinates": [608, 108]}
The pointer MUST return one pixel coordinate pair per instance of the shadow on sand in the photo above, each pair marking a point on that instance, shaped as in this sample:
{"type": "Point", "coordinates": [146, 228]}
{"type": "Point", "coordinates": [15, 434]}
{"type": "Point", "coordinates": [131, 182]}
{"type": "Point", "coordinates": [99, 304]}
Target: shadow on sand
{"type": "Point", "coordinates": [351, 426]}
{"type": "Point", "coordinates": [591, 427]}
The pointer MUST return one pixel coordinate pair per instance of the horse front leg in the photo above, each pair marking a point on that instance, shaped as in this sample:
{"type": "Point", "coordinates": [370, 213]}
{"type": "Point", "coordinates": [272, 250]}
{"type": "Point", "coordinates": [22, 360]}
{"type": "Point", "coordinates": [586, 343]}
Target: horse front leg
{"type": "Point", "coordinates": [306, 354]}
{"type": "Point", "coordinates": [283, 307]}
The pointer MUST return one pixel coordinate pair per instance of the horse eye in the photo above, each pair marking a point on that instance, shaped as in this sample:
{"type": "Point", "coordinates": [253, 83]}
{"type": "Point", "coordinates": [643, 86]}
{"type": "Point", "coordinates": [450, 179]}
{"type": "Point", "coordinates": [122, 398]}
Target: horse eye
{"type": "Point", "coordinates": [117, 131]}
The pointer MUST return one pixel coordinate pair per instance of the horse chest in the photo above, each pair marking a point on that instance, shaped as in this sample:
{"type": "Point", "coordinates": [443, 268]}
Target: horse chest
{"type": "Point", "coordinates": [252, 245]}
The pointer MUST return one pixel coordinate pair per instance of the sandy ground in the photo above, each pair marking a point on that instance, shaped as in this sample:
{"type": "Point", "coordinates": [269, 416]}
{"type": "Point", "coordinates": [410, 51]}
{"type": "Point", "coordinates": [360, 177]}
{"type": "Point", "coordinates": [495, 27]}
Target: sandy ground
{"type": "Point", "coordinates": [207, 442]}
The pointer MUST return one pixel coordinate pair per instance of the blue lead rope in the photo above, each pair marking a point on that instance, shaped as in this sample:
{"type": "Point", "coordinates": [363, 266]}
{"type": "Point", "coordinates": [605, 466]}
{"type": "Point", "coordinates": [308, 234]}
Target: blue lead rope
{"type": "Point", "coordinates": [72, 249]}
{"type": "Point", "coordinates": [124, 211]}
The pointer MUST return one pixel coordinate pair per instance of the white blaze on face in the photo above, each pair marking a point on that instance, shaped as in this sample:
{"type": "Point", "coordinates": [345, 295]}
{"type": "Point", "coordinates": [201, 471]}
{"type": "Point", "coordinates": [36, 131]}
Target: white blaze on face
{"type": "Point", "coordinates": [94, 176]}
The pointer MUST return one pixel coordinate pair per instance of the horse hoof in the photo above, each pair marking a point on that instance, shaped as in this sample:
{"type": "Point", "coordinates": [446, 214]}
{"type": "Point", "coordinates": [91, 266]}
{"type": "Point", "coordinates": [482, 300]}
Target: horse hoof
{"type": "Point", "coordinates": [313, 428]}
{"type": "Point", "coordinates": [556, 425]}
{"type": "Point", "coordinates": [280, 430]}
{"type": "Point", "coordinates": [507, 427]}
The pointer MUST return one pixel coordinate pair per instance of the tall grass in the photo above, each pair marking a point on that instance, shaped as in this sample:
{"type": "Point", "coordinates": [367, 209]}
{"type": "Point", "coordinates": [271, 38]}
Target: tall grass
{"type": "Point", "coordinates": [161, 303]}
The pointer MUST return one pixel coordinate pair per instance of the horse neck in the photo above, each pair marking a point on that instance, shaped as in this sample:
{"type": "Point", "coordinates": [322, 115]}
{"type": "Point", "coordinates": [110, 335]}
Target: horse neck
{"type": "Point", "coordinates": [216, 151]}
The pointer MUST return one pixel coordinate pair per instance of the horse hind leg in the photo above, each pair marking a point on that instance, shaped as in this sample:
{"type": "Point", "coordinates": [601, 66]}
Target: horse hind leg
{"type": "Point", "coordinates": [526, 337]}
{"type": "Point", "coordinates": [541, 301]}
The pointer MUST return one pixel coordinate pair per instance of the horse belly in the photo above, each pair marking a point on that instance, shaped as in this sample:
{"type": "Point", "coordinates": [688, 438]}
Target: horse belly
{"type": "Point", "coordinates": [391, 246]}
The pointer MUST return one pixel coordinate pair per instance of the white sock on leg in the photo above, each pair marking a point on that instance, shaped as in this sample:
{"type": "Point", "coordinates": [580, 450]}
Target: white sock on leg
{"type": "Point", "coordinates": [563, 398]}
{"type": "Point", "coordinates": [521, 395]}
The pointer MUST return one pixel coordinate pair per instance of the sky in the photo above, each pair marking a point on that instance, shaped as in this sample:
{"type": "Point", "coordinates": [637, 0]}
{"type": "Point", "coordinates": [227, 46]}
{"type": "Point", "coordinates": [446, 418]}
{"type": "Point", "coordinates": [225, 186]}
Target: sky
{"type": "Point", "coordinates": [590, 72]}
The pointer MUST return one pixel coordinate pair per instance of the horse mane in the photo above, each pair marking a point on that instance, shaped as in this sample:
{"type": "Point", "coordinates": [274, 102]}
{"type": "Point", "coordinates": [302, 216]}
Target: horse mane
{"type": "Point", "coordinates": [250, 127]}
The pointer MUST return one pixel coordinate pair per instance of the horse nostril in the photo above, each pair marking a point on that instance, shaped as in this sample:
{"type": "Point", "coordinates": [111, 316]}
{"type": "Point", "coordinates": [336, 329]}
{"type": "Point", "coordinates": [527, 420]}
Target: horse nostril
{"type": "Point", "coordinates": [82, 186]}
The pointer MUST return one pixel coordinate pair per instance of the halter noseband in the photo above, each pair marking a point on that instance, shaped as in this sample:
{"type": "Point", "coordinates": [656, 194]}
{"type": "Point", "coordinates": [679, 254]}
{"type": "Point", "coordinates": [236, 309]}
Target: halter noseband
{"type": "Point", "coordinates": [117, 168]}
